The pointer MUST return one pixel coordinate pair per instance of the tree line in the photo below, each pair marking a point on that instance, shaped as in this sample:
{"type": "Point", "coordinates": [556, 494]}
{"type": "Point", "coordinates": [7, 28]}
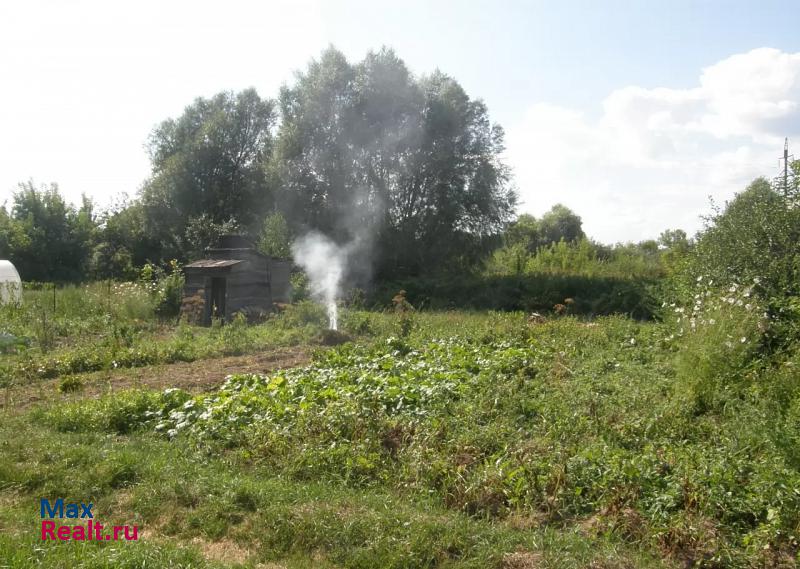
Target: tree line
{"type": "Point", "coordinates": [409, 167]}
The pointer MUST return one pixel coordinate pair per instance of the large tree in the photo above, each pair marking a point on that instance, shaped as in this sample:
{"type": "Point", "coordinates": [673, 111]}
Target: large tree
{"type": "Point", "coordinates": [208, 166]}
{"type": "Point", "coordinates": [560, 223]}
{"type": "Point", "coordinates": [413, 164]}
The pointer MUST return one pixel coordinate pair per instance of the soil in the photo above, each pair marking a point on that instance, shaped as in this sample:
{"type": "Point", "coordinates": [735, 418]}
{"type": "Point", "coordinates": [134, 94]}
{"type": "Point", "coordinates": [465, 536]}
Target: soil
{"type": "Point", "coordinates": [195, 377]}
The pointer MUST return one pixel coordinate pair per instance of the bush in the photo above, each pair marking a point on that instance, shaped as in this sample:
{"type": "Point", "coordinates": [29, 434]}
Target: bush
{"type": "Point", "coordinates": [754, 237]}
{"type": "Point", "coordinates": [166, 287]}
{"type": "Point", "coordinates": [303, 314]}
{"type": "Point", "coordinates": [592, 295]}
{"type": "Point", "coordinates": [721, 336]}
{"type": "Point", "coordinates": [299, 286]}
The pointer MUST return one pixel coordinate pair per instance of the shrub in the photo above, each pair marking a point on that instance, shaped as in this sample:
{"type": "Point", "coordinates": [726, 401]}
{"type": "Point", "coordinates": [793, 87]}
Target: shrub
{"type": "Point", "coordinates": [592, 295]}
{"type": "Point", "coordinates": [754, 237]}
{"type": "Point", "coordinates": [299, 286]}
{"type": "Point", "coordinates": [304, 313]}
{"type": "Point", "coordinates": [721, 335]}
{"type": "Point", "coordinates": [70, 383]}
{"type": "Point", "coordinates": [166, 287]}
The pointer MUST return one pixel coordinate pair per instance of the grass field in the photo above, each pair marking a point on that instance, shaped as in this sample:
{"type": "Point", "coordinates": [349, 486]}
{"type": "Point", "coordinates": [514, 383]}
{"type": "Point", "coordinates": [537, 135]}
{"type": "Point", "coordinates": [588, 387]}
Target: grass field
{"type": "Point", "coordinates": [441, 439]}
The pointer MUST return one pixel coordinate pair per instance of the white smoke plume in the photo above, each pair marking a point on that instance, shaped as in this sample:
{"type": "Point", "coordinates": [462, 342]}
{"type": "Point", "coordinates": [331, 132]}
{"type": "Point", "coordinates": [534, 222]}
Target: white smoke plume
{"type": "Point", "coordinates": [324, 262]}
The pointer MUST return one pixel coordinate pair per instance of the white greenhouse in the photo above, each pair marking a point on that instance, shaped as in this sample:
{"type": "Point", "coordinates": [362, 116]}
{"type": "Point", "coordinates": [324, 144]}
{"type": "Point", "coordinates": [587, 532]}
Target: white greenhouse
{"type": "Point", "coordinates": [10, 283]}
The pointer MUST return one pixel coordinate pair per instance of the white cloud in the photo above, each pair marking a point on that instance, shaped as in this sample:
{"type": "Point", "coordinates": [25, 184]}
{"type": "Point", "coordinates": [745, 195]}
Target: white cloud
{"type": "Point", "coordinates": [654, 156]}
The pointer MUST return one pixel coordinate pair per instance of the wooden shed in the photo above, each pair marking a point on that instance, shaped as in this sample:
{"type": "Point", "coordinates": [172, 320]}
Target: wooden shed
{"type": "Point", "coordinates": [234, 277]}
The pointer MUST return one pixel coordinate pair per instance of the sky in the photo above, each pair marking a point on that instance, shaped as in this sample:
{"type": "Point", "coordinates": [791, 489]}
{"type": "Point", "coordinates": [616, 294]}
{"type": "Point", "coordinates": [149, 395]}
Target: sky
{"type": "Point", "coordinates": [634, 114]}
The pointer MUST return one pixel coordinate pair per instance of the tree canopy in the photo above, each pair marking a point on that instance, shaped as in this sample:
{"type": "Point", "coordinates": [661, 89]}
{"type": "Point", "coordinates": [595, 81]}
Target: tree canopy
{"type": "Point", "coordinates": [370, 150]}
{"type": "Point", "coordinates": [47, 238]}
{"type": "Point", "coordinates": [208, 168]}
{"type": "Point", "coordinates": [559, 223]}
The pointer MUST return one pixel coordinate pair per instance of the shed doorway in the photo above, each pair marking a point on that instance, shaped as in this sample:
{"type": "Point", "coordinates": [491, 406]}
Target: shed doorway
{"type": "Point", "coordinates": [218, 294]}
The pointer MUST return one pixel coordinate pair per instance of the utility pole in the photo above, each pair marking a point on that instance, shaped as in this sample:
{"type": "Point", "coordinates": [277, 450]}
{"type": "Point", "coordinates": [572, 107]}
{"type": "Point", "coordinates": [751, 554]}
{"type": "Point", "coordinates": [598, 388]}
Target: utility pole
{"type": "Point", "coordinates": [787, 158]}
{"type": "Point", "coordinates": [786, 167]}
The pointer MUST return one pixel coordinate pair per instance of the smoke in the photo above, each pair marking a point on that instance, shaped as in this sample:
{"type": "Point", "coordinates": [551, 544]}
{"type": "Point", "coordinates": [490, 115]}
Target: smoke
{"type": "Point", "coordinates": [332, 267]}
{"type": "Point", "coordinates": [325, 263]}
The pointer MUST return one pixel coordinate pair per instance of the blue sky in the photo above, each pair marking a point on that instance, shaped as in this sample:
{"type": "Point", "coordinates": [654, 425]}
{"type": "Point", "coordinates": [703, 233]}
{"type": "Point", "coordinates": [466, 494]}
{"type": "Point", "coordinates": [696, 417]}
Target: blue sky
{"type": "Point", "coordinates": [631, 113]}
{"type": "Point", "coordinates": [572, 53]}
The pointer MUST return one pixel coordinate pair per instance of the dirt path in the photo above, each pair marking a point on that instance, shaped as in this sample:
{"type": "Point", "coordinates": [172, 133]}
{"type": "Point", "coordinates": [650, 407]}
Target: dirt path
{"type": "Point", "coordinates": [197, 376]}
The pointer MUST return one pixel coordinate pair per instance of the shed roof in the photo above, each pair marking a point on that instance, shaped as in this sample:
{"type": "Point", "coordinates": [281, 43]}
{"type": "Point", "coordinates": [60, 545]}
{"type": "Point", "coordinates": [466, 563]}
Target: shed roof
{"type": "Point", "coordinates": [213, 263]}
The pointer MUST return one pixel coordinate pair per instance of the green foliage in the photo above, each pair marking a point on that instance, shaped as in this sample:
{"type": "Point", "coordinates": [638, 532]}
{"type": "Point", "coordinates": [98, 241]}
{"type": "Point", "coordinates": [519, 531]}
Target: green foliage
{"type": "Point", "coordinates": [186, 505]}
{"type": "Point", "coordinates": [570, 423]}
{"type": "Point", "coordinates": [752, 242]}
{"type": "Point", "coordinates": [405, 314]}
{"type": "Point", "coordinates": [353, 141]}
{"type": "Point", "coordinates": [123, 243]}
{"type": "Point", "coordinates": [70, 383]}
{"type": "Point", "coordinates": [754, 237]}
{"type": "Point", "coordinates": [299, 283]}
{"type": "Point", "coordinates": [105, 326]}
{"type": "Point", "coordinates": [534, 292]}
{"type": "Point", "coordinates": [121, 413]}
{"type": "Point", "coordinates": [9, 343]}
{"type": "Point", "coordinates": [675, 249]}
{"type": "Point", "coordinates": [720, 338]}
{"type": "Point", "coordinates": [209, 162]}
{"type": "Point", "coordinates": [275, 239]}
{"type": "Point", "coordinates": [558, 224]}
{"type": "Point", "coordinates": [166, 287]}
{"type": "Point", "coordinates": [46, 238]}
{"type": "Point", "coordinates": [304, 313]}
{"type": "Point", "coordinates": [234, 336]}
{"type": "Point", "coordinates": [580, 258]}
{"type": "Point", "coordinates": [203, 232]}
{"type": "Point", "coordinates": [486, 429]}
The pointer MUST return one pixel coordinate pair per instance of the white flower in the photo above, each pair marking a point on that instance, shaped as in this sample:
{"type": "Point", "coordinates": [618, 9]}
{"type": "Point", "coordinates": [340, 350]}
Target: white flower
{"type": "Point", "coordinates": [171, 433]}
{"type": "Point", "coordinates": [743, 339]}
{"type": "Point", "coordinates": [633, 341]}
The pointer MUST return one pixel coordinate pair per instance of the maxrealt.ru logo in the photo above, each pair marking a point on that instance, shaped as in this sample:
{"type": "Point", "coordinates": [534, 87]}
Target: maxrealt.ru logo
{"type": "Point", "coordinates": [88, 531]}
